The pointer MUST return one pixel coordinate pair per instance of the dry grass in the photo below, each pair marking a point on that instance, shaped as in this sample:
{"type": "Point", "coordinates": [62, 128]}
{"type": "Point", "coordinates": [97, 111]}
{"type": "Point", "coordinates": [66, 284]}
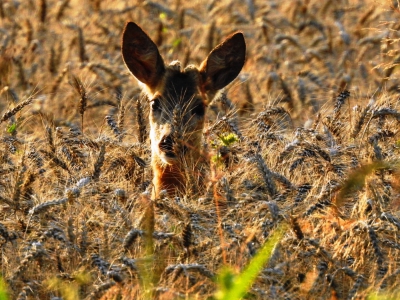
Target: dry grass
{"type": "Point", "coordinates": [74, 152]}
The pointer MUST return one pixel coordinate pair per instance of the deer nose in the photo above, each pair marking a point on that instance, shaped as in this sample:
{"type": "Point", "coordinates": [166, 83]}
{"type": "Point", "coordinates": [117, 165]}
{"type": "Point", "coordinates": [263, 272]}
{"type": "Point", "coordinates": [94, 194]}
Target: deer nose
{"type": "Point", "coordinates": [166, 144]}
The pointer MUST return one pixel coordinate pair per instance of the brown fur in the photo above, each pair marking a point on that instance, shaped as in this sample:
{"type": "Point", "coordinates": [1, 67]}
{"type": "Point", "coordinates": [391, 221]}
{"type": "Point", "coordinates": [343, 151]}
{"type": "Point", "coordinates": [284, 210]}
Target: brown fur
{"type": "Point", "coordinates": [178, 99]}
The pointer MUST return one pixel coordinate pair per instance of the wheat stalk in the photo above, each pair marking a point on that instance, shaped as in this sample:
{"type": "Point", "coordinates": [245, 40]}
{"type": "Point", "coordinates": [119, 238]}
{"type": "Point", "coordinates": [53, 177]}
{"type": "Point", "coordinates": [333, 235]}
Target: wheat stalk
{"type": "Point", "coordinates": [76, 82]}
{"type": "Point", "coordinates": [8, 114]}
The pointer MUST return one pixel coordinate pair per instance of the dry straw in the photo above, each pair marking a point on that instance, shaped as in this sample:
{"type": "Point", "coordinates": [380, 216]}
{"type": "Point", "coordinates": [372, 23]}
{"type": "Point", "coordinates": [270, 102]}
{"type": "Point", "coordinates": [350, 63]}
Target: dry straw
{"type": "Point", "coordinates": [302, 150]}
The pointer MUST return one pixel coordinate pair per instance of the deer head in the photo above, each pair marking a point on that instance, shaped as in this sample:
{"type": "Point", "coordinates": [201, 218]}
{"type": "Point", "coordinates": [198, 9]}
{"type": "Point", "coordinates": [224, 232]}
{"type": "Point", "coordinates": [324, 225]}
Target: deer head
{"type": "Point", "coordinates": [178, 97]}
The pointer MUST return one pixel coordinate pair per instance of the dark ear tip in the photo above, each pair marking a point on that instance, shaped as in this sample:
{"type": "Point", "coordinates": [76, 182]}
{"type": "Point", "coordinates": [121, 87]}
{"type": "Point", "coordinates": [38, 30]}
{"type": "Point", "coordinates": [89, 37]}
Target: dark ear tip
{"type": "Point", "coordinates": [238, 37]}
{"type": "Point", "coordinates": [238, 34]}
{"type": "Point", "coordinates": [239, 44]}
{"type": "Point", "coordinates": [131, 26]}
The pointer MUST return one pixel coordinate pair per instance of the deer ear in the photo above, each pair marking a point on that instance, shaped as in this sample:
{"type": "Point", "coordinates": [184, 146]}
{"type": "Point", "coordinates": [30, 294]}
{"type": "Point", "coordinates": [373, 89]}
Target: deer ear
{"type": "Point", "coordinates": [224, 62]}
{"type": "Point", "coordinates": [141, 55]}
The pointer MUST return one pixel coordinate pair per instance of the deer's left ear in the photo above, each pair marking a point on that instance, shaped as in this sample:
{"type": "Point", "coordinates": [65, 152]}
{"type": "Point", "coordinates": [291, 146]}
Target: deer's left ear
{"type": "Point", "coordinates": [223, 63]}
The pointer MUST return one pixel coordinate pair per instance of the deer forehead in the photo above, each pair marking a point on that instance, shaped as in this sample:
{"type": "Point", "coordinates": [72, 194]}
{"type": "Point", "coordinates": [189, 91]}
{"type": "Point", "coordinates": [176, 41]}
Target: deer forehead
{"type": "Point", "coordinates": [177, 99]}
{"type": "Point", "coordinates": [178, 86]}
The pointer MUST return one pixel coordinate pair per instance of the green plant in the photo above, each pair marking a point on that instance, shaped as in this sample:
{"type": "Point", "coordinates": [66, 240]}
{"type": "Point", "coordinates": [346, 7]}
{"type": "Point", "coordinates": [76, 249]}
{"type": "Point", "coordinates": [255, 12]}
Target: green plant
{"type": "Point", "coordinates": [69, 290]}
{"type": "Point", "coordinates": [12, 128]}
{"type": "Point", "coordinates": [3, 290]}
{"type": "Point", "coordinates": [232, 286]}
{"type": "Point", "coordinates": [228, 139]}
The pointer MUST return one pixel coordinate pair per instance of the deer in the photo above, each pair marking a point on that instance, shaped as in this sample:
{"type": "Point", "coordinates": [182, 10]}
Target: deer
{"type": "Point", "coordinates": [178, 99]}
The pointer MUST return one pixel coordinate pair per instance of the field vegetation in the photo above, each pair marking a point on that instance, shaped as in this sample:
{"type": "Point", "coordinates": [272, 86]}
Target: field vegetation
{"type": "Point", "coordinates": [305, 142]}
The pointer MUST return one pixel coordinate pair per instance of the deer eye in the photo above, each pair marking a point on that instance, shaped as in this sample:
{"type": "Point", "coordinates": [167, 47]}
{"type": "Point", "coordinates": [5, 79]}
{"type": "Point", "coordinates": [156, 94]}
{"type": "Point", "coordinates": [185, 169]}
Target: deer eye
{"type": "Point", "coordinates": [156, 105]}
{"type": "Point", "coordinates": [199, 110]}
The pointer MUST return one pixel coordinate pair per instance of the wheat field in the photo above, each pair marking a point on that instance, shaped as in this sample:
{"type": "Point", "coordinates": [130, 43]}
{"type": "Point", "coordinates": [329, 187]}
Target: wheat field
{"type": "Point", "coordinates": [307, 136]}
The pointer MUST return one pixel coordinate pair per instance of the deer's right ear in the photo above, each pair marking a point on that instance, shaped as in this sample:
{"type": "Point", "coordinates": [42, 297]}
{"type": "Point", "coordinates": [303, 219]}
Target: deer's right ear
{"type": "Point", "coordinates": [141, 55]}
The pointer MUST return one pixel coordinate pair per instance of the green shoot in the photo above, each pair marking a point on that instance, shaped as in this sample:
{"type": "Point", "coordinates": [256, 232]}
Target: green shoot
{"type": "Point", "coordinates": [233, 286]}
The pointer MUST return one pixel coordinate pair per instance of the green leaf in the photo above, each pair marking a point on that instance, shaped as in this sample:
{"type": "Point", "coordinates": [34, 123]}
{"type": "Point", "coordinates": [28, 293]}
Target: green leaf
{"type": "Point", "coordinates": [233, 287]}
{"type": "Point", "coordinates": [3, 290]}
{"type": "Point", "coordinates": [225, 282]}
{"type": "Point", "coordinates": [12, 128]}
{"type": "Point", "coordinates": [176, 42]}
{"type": "Point", "coordinates": [229, 139]}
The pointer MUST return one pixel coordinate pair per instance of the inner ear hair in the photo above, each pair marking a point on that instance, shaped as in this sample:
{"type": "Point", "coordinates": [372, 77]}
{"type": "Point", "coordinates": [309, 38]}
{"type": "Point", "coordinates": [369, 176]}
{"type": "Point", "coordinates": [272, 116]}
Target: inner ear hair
{"type": "Point", "coordinates": [141, 55]}
{"type": "Point", "coordinates": [224, 62]}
